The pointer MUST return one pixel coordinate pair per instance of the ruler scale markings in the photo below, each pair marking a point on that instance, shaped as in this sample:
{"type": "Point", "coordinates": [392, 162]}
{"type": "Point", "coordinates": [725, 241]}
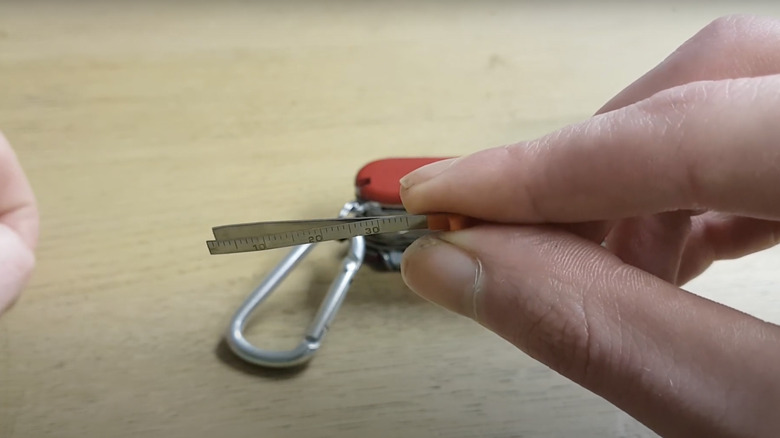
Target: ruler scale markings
{"type": "Point", "coordinates": [332, 229]}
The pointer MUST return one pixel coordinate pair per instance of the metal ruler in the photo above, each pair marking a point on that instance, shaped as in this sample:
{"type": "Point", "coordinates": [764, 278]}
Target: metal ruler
{"type": "Point", "coordinates": [261, 236]}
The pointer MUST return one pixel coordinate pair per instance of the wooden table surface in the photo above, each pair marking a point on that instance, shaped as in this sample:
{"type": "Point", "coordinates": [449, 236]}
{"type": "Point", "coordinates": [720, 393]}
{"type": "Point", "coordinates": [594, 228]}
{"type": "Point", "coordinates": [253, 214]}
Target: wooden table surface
{"type": "Point", "coordinates": [143, 124]}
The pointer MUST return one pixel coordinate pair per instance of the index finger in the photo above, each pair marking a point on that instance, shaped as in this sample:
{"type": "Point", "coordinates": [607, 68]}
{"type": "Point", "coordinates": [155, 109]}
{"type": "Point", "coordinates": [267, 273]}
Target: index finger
{"type": "Point", "coordinates": [713, 144]}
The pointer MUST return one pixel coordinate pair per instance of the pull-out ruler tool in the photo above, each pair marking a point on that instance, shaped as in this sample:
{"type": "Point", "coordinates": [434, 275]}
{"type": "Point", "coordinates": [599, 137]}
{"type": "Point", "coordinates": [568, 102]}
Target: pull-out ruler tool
{"type": "Point", "coordinates": [261, 236]}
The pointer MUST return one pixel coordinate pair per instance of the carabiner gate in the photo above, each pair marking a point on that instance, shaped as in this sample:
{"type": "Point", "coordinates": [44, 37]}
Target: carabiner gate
{"type": "Point", "coordinates": [319, 325]}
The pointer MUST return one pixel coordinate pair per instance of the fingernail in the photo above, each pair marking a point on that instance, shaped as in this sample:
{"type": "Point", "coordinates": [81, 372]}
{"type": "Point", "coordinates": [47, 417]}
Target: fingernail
{"type": "Point", "coordinates": [443, 274]}
{"type": "Point", "coordinates": [425, 173]}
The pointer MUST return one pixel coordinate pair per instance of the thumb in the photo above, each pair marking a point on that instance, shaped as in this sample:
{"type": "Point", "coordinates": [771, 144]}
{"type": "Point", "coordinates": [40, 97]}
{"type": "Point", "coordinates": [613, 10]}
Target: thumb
{"type": "Point", "coordinates": [679, 363]}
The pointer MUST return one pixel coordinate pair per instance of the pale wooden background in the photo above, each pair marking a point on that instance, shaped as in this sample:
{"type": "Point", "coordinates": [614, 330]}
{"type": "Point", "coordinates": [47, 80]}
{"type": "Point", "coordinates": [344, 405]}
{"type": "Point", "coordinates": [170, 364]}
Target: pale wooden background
{"type": "Point", "coordinates": [143, 124]}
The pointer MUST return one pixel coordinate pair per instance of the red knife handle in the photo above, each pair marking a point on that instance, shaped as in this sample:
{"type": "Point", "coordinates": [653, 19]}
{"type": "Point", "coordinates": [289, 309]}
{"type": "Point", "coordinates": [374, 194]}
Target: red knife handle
{"type": "Point", "coordinates": [379, 181]}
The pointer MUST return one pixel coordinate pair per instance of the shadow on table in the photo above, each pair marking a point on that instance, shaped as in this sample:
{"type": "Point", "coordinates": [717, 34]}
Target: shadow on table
{"type": "Point", "coordinates": [227, 357]}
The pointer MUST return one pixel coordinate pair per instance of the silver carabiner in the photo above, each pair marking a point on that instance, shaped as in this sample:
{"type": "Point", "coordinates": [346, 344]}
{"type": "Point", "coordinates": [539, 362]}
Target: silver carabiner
{"type": "Point", "coordinates": [319, 325]}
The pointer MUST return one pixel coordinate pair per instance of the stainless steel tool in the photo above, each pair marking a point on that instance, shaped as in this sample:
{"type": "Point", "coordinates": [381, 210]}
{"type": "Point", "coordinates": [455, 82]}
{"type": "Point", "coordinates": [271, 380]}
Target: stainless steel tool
{"type": "Point", "coordinates": [378, 230]}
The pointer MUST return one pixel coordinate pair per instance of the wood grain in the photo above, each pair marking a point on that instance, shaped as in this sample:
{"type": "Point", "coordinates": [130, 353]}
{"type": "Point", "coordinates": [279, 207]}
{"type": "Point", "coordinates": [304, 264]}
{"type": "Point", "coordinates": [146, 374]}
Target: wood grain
{"type": "Point", "coordinates": [143, 124]}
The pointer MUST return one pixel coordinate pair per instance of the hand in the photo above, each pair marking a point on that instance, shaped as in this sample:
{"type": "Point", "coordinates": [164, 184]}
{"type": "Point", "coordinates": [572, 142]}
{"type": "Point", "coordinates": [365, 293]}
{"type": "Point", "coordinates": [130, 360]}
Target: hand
{"type": "Point", "coordinates": [18, 227]}
{"type": "Point", "coordinates": [678, 170]}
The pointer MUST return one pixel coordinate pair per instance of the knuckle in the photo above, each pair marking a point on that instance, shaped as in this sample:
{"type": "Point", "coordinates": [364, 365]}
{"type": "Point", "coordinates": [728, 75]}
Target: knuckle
{"type": "Point", "coordinates": [556, 336]}
{"type": "Point", "coordinates": [16, 266]}
{"type": "Point", "coordinates": [732, 30]}
{"type": "Point", "coordinates": [682, 117]}
{"type": "Point", "coordinates": [560, 336]}
{"type": "Point", "coordinates": [667, 113]}
{"type": "Point", "coordinates": [676, 101]}
{"type": "Point", "coordinates": [585, 339]}
{"type": "Point", "coordinates": [725, 26]}
{"type": "Point", "coordinates": [568, 334]}
{"type": "Point", "coordinates": [737, 34]}
{"type": "Point", "coordinates": [23, 265]}
{"type": "Point", "coordinates": [573, 322]}
{"type": "Point", "coordinates": [730, 46]}
{"type": "Point", "coordinates": [532, 181]}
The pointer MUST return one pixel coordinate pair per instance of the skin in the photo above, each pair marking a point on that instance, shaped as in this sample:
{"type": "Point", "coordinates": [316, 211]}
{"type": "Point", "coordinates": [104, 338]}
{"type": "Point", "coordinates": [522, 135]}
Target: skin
{"type": "Point", "coordinates": [18, 227]}
{"type": "Point", "coordinates": [680, 169]}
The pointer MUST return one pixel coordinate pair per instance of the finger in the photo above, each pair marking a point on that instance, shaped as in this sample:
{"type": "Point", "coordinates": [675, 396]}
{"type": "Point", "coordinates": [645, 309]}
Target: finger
{"type": "Point", "coordinates": [703, 145]}
{"type": "Point", "coordinates": [716, 237]}
{"type": "Point", "coordinates": [16, 264]}
{"type": "Point", "coordinates": [730, 47]}
{"type": "Point", "coordinates": [682, 365]}
{"type": "Point", "coordinates": [18, 208]}
{"type": "Point", "coordinates": [593, 231]}
{"type": "Point", "coordinates": [654, 244]}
